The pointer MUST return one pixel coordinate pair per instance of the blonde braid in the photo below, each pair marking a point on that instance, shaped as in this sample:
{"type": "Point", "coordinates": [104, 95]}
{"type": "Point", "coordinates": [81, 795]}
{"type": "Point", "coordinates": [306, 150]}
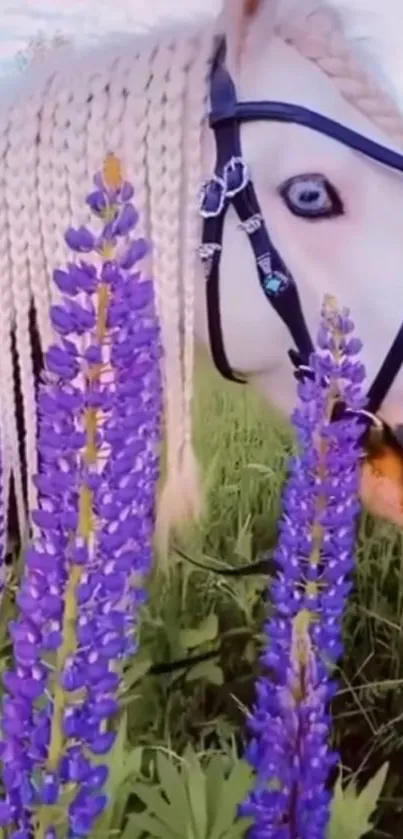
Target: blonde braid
{"type": "Point", "coordinates": [10, 462]}
{"type": "Point", "coordinates": [159, 64]}
{"type": "Point", "coordinates": [33, 285]}
{"type": "Point", "coordinates": [196, 108]}
{"type": "Point", "coordinates": [182, 496]}
{"type": "Point", "coordinates": [134, 132]}
{"type": "Point", "coordinates": [79, 176]}
{"type": "Point", "coordinates": [321, 39]}
{"type": "Point", "coordinates": [39, 285]}
{"type": "Point", "coordinates": [167, 97]}
{"type": "Point", "coordinates": [117, 104]}
{"type": "Point", "coordinates": [60, 180]}
{"type": "Point", "coordinates": [46, 198]}
{"type": "Point", "coordinates": [18, 163]}
{"type": "Point", "coordinates": [97, 144]}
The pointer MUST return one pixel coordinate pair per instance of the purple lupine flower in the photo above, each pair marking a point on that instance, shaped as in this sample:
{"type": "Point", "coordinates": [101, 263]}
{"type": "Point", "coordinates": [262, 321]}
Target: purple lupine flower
{"type": "Point", "coordinates": [99, 434]}
{"type": "Point", "coordinates": [290, 723]}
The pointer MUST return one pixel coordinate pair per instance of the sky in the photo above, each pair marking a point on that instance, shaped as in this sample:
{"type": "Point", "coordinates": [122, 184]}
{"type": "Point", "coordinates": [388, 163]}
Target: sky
{"type": "Point", "coordinates": [22, 19]}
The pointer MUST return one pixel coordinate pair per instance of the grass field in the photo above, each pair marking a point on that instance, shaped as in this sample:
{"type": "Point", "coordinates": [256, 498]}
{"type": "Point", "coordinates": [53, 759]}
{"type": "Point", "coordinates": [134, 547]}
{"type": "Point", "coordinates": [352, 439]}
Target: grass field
{"type": "Point", "coordinates": [244, 449]}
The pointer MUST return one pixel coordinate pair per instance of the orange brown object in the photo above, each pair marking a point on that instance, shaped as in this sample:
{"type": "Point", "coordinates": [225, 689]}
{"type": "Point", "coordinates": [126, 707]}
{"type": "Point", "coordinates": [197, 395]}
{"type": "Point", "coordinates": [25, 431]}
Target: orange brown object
{"type": "Point", "coordinates": [382, 483]}
{"type": "Point", "coordinates": [387, 464]}
{"type": "Point", "coordinates": [112, 172]}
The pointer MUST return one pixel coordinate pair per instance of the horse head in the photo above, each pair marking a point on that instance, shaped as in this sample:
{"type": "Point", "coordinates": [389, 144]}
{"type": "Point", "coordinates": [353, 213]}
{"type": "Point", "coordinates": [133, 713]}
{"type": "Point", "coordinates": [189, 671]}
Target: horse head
{"type": "Point", "coordinates": [333, 215]}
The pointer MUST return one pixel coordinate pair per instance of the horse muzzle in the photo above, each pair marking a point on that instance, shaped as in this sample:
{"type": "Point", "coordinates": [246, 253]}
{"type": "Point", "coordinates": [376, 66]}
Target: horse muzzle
{"type": "Point", "coordinates": [381, 480]}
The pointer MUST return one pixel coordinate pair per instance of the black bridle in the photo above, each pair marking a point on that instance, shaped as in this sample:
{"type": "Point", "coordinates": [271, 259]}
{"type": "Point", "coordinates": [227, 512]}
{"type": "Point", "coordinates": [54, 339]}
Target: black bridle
{"type": "Point", "coordinates": [232, 186]}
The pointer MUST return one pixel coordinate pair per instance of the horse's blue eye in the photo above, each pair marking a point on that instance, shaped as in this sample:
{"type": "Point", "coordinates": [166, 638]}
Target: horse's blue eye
{"type": "Point", "coordinates": [311, 197]}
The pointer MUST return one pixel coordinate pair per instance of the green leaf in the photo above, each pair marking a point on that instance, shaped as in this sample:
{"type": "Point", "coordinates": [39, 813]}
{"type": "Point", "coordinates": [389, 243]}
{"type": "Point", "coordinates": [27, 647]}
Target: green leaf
{"type": "Point", "coordinates": [173, 786]}
{"type": "Point", "coordinates": [139, 668]}
{"type": "Point", "coordinates": [208, 671]}
{"type": "Point", "coordinates": [207, 631]}
{"type": "Point", "coordinates": [131, 831]}
{"type": "Point", "coordinates": [351, 812]}
{"type": "Point", "coordinates": [243, 547]}
{"type": "Point", "coordinates": [150, 824]}
{"type": "Point", "coordinates": [133, 761]}
{"type": "Point", "coordinates": [214, 781]}
{"type": "Point", "coordinates": [259, 467]}
{"type": "Point", "coordinates": [196, 789]}
{"type": "Point", "coordinates": [157, 806]}
{"type": "Point", "coordinates": [238, 829]}
{"type": "Point", "coordinates": [123, 766]}
{"type": "Point", "coordinates": [233, 793]}
{"type": "Point", "coordinates": [249, 652]}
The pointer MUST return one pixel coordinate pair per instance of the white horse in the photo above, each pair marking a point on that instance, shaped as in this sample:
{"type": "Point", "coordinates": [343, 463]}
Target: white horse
{"type": "Point", "coordinates": [146, 99]}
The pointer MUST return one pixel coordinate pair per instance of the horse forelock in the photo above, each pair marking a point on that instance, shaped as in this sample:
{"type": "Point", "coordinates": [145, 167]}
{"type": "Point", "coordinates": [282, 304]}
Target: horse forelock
{"type": "Point", "coordinates": [319, 32]}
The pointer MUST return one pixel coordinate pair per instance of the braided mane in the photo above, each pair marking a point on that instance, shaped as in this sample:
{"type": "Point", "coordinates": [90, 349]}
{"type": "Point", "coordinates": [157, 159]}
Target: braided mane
{"type": "Point", "coordinates": [320, 37]}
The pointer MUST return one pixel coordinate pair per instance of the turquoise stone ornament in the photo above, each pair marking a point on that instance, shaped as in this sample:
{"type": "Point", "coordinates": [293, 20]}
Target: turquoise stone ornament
{"type": "Point", "coordinates": [274, 284]}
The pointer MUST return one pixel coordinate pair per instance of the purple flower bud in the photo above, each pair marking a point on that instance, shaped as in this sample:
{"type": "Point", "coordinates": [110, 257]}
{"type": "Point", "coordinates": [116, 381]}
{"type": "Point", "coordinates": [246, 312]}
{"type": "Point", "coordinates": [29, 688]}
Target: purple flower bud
{"type": "Point", "coordinates": [65, 282]}
{"type": "Point", "coordinates": [75, 767]}
{"type": "Point", "coordinates": [59, 362]}
{"type": "Point", "coordinates": [101, 744]}
{"type": "Point", "coordinates": [93, 355]}
{"type": "Point", "coordinates": [73, 676]}
{"type": "Point", "coordinates": [97, 778]}
{"type": "Point", "coordinates": [108, 684]}
{"type": "Point", "coordinates": [135, 252]}
{"type": "Point", "coordinates": [97, 201]}
{"type": "Point", "coordinates": [5, 813]}
{"type": "Point", "coordinates": [105, 708]}
{"type": "Point", "coordinates": [61, 320]}
{"type": "Point", "coordinates": [126, 220]}
{"type": "Point", "coordinates": [126, 192]}
{"type": "Point", "coordinates": [23, 833]}
{"type": "Point", "coordinates": [84, 276]}
{"type": "Point", "coordinates": [44, 519]}
{"type": "Point", "coordinates": [82, 319]}
{"type": "Point", "coordinates": [49, 793]}
{"type": "Point", "coordinates": [83, 814]}
{"type": "Point", "coordinates": [80, 240]}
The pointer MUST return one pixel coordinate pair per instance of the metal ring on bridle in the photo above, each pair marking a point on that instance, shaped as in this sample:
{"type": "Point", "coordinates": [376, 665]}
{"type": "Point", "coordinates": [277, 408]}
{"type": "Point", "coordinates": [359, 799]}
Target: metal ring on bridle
{"type": "Point", "coordinates": [230, 167]}
{"type": "Point", "coordinates": [206, 192]}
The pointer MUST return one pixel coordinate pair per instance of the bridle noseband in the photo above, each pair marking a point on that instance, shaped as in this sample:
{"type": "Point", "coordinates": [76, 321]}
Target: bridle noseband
{"type": "Point", "coordinates": [231, 186]}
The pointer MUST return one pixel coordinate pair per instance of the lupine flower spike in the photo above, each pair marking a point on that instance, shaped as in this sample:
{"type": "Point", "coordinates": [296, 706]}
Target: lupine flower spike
{"type": "Point", "coordinates": [99, 435]}
{"type": "Point", "coordinates": [290, 723]}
